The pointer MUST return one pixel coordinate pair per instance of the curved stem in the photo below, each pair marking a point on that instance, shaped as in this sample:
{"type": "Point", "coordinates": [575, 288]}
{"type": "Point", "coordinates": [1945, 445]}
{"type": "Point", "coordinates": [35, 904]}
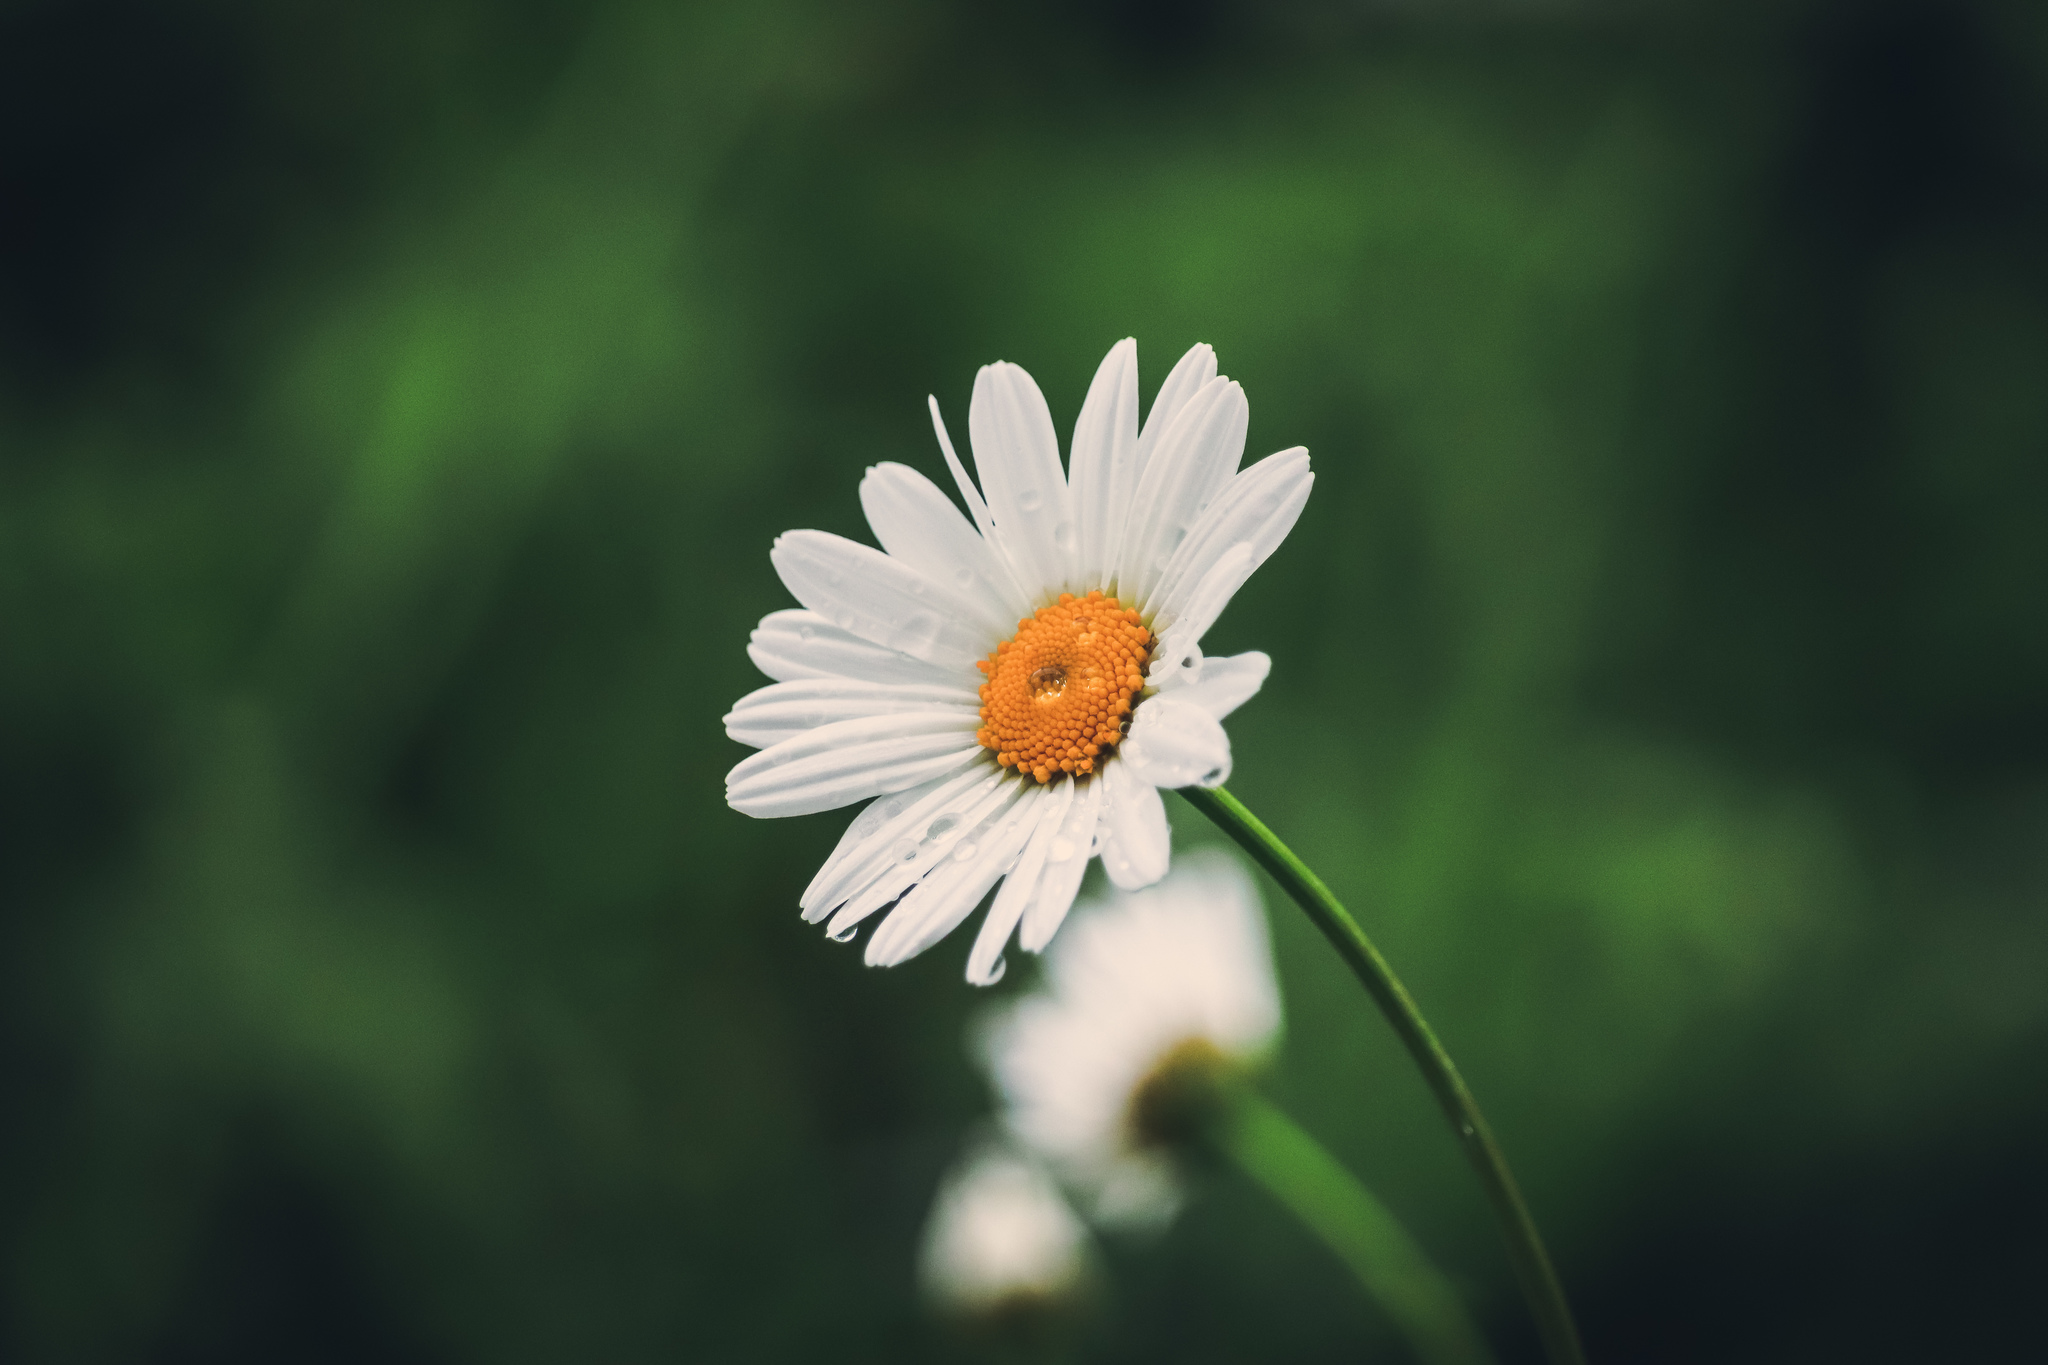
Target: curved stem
{"type": "Point", "coordinates": [1533, 1270]}
{"type": "Point", "coordinates": [1275, 1151]}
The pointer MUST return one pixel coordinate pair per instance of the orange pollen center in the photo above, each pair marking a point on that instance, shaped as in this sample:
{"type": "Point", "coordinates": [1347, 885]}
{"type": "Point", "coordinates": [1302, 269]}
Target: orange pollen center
{"type": "Point", "coordinates": [1059, 692]}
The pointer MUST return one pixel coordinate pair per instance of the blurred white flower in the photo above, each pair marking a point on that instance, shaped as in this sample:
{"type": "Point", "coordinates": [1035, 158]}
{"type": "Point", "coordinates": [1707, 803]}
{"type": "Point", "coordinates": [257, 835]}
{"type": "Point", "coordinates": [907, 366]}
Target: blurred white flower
{"type": "Point", "coordinates": [1146, 995]}
{"type": "Point", "coordinates": [1017, 688]}
{"type": "Point", "coordinates": [1001, 1236]}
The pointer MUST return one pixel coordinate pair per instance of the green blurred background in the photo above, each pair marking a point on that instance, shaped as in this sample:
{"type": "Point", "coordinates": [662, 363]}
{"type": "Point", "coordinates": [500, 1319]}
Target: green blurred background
{"type": "Point", "coordinates": [397, 401]}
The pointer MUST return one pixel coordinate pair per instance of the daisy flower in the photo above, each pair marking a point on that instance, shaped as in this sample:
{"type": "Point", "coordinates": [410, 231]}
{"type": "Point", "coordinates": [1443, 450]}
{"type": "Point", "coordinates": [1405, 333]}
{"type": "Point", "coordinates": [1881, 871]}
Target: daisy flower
{"type": "Point", "coordinates": [1011, 692]}
{"type": "Point", "coordinates": [1001, 1236]}
{"type": "Point", "coordinates": [1147, 998]}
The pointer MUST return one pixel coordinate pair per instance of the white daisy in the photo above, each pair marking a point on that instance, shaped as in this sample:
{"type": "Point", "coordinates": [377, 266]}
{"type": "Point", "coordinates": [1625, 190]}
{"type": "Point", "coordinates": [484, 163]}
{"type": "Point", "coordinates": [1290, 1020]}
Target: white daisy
{"type": "Point", "coordinates": [1000, 1236]}
{"type": "Point", "coordinates": [1142, 994]}
{"type": "Point", "coordinates": [1016, 689]}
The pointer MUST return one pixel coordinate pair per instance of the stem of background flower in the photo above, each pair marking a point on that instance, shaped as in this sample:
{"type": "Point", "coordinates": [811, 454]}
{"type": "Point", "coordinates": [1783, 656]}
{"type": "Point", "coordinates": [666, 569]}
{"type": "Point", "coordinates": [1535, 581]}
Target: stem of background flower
{"type": "Point", "coordinates": [1275, 1151]}
{"type": "Point", "coordinates": [1533, 1270]}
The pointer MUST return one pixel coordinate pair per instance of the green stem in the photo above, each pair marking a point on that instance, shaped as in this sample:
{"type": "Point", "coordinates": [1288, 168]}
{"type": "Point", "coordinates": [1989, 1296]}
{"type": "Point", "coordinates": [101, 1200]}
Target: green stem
{"type": "Point", "coordinates": [1531, 1262]}
{"type": "Point", "coordinates": [1296, 1170]}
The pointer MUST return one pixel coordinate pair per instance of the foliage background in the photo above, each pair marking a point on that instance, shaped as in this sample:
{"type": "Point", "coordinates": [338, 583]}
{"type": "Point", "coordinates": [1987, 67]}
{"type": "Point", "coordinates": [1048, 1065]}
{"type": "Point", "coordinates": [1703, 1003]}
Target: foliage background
{"type": "Point", "coordinates": [396, 405]}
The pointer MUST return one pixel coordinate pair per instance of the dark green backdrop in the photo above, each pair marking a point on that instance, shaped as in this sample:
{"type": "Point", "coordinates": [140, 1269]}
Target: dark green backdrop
{"type": "Point", "coordinates": [397, 401]}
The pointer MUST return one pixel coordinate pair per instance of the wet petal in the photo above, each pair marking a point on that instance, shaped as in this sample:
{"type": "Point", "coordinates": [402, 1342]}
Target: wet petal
{"type": "Point", "coordinates": [1103, 468]}
{"type": "Point", "coordinates": [1175, 743]}
{"type": "Point", "coordinates": [938, 903]}
{"type": "Point", "coordinates": [1066, 858]}
{"type": "Point", "coordinates": [1193, 462]}
{"type": "Point", "coordinates": [1138, 843]}
{"type": "Point", "coordinates": [784, 710]}
{"type": "Point", "coordinates": [1257, 508]}
{"type": "Point", "coordinates": [883, 600]}
{"type": "Point", "coordinates": [1222, 683]}
{"type": "Point", "coordinates": [852, 760]}
{"type": "Point", "coordinates": [919, 525]}
{"type": "Point", "coordinates": [796, 643]}
{"type": "Point", "coordinates": [985, 960]}
{"type": "Point", "coordinates": [1017, 454]}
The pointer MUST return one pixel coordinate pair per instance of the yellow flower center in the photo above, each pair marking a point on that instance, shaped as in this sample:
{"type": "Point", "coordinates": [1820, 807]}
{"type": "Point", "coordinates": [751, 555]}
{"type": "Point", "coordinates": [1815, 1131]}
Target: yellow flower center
{"type": "Point", "coordinates": [1174, 1102]}
{"type": "Point", "coordinates": [1059, 691]}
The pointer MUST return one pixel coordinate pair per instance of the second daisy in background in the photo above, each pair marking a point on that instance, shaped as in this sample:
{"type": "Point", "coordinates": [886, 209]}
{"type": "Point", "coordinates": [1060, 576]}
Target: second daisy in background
{"type": "Point", "coordinates": [1157, 1010]}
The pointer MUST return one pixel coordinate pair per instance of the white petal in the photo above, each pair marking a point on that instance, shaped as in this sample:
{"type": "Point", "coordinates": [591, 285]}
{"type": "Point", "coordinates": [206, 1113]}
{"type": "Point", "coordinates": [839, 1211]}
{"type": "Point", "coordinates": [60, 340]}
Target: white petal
{"type": "Point", "coordinates": [1139, 844]}
{"type": "Point", "coordinates": [784, 710]}
{"type": "Point", "coordinates": [857, 844]}
{"type": "Point", "coordinates": [1020, 599]}
{"type": "Point", "coordinates": [1258, 507]}
{"type": "Point", "coordinates": [802, 644]}
{"type": "Point", "coordinates": [1017, 454]}
{"type": "Point", "coordinates": [938, 903]}
{"type": "Point", "coordinates": [985, 961]}
{"type": "Point", "coordinates": [919, 525]}
{"type": "Point", "coordinates": [1204, 605]}
{"type": "Point", "coordinates": [1187, 667]}
{"type": "Point", "coordinates": [1103, 466]}
{"type": "Point", "coordinates": [969, 494]}
{"type": "Point", "coordinates": [836, 765]}
{"type": "Point", "coordinates": [1193, 462]}
{"type": "Point", "coordinates": [1175, 743]}
{"type": "Point", "coordinates": [1189, 374]}
{"type": "Point", "coordinates": [1066, 859]}
{"type": "Point", "coordinates": [871, 842]}
{"type": "Point", "coordinates": [919, 851]}
{"type": "Point", "coordinates": [858, 588]}
{"type": "Point", "coordinates": [1222, 684]}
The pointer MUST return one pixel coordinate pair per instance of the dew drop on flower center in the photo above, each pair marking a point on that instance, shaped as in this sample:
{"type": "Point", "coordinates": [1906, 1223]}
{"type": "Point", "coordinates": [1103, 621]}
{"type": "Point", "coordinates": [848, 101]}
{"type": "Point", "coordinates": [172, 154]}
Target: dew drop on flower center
{"type": "Point", "coordinates": [1059, 692]}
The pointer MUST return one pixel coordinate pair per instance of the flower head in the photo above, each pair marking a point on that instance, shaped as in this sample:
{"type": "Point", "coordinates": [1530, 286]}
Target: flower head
{"type": "Point", "coordinates": [1143, 994]}
{"type": "Point", "coordinates": [1013, 691]}
{"type": "Point", "coordinates": [1001, 1237]}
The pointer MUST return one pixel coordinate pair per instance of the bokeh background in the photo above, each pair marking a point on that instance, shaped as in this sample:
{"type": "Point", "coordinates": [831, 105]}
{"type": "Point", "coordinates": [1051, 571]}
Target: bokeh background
{"type": "Point", "coordinates": [397, 401]}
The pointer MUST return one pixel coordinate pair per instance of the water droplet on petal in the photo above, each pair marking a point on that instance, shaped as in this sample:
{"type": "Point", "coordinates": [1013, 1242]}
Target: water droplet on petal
{"type": "Point", "coordinates": [964, 850]}
{"type": "Point", "coordinates": [995, 972]}
{"type": "Point", "coordinates": [1031, 500]}
{"type": "Point", "coordinates": [1059, 850]}
{"type": "Point", "coordinates": [939, 828]}
{"type": "Point", "coordinates": [842, 935]}
{"type": "Point", "coordinates": [919, 631]}
{"type": "Point", "coordinates": [905, 851]}
{"type": "Point", "coordinates": [1065, 536]}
